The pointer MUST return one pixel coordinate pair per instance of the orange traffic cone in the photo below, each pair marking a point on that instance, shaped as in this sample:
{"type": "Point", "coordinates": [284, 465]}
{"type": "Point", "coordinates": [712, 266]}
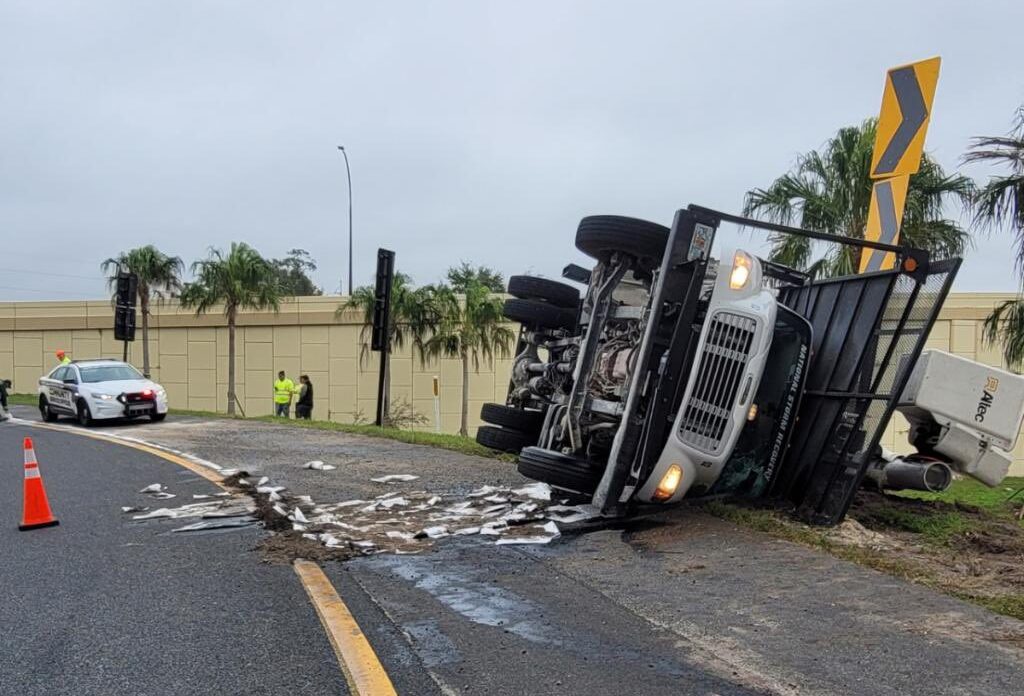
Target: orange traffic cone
{"type": "Point", "coordinates": [37, 508]}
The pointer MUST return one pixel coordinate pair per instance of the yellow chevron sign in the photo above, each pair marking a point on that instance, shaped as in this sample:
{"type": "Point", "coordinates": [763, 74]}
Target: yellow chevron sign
{"type": "Point", "coordinates": [899, 142]}
{"type": "Point", "coordinates": [903, 120]}
{"type": "Point", "coordinates": [888, 197]}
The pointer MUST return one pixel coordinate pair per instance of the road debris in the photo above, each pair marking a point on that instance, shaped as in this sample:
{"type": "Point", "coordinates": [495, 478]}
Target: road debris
{"type": "Point", "coordinates": [158, 491]}
{"type": "Point", "coordinates": [395, 478]}
{"type": "Point", "coordinates": [318, 465]}
{"type": "Point", "coordinates": [225, 523]}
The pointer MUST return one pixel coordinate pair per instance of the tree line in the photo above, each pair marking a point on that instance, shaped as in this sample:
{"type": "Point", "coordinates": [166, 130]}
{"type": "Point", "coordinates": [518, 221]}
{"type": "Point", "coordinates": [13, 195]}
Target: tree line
{"type": "Point", "coordinates": [459, 318]}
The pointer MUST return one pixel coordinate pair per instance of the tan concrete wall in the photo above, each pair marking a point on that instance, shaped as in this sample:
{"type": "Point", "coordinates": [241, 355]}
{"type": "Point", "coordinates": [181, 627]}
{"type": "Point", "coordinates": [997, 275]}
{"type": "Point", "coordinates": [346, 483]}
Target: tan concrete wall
{"type": "Point", "coordinates": [189, 356]}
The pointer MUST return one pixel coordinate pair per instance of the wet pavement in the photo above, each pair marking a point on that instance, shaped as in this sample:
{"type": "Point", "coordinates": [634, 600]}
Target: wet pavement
{"type": "Point", "coordinates": [681, 603]}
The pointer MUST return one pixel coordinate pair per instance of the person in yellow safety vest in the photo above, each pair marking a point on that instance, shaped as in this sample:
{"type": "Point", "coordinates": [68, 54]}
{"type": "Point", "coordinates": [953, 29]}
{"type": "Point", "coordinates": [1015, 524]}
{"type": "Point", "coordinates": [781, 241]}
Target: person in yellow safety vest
{"type": "Point", "coordinates": [62, 358]}
{"type": "Point", "coordinates": [284, 390]}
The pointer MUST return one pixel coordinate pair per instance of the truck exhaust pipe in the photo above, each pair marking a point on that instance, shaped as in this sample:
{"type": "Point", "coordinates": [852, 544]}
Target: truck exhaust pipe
{"type": "Point", "coordinates": [901, 474]}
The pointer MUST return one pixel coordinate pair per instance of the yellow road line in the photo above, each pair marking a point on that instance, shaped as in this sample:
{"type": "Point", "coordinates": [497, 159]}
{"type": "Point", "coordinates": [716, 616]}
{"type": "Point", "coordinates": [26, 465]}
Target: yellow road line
{"type": "Point", "coordinates": [365, 674]}
{"type": "Point", "coordinates": [199, 469]}
{"type": "Point", "coordinates": [363, 671]}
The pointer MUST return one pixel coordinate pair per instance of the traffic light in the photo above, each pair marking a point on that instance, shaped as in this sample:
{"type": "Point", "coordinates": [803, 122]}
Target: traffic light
{"type": "Point", "coordinates": [382, 299]}
{"type": "Point", "coordinates": [124, 323]}
{"type": "Point", "coordinates": [124, 309]}
{"type": "Point", "coordinates": [127, 289]}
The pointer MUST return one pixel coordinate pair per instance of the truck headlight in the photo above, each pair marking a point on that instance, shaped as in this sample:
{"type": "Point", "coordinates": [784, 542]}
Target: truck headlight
{"type": "Point", "coordinates": [102, 397]}
{"type": "Point", "coordinates": [669, 483]}
{"type": "Point", "coordinates": [741, 265]}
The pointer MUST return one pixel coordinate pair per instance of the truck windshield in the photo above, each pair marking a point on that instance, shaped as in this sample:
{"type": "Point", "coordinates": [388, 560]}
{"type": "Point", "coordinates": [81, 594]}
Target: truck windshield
{"type": "Point", "coordinates": [763, 440]}
{"type": "Point", "coordinates": [109, 373]}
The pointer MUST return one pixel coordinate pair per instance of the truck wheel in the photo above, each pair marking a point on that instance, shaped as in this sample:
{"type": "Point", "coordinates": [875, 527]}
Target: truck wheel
{"type": "Point", "coordinates": [534, 313]}
{"type": "Point", "coordinates": [559, 470]}
{"type": "Point", "coordinates": [515, 418]}
{"type": "Point", "coordinates": [84, 414]}
{"type": "Point", "coordinates": [503, 439]}
{"type": "Point", "coordinates": [45, 411]}
{"type": "Point", "coordinates": [532, 288]}
{"type": "Point", "coordinates": [600, 236]}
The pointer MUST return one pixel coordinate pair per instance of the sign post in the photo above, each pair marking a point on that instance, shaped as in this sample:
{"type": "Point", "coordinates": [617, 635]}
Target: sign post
{"type": "Point", "coordinates": [437, 404]}
{"type": "Point", "coordinates": [899, 142]}
{"type": "Point", "coordinates": [380, 339]}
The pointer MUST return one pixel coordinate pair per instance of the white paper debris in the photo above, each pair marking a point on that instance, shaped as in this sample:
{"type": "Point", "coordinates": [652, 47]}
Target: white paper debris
{"type": "Point", "coordinates": [537, 491]}
{"type": "Point", "coordinates": [318, 465]}
{"type": "Point", "coordinates": [217, 524]}
{"type": "Point", "coordinates": [298, 516]}
{"type": "Point", "coordinates": [389, 503]}
{"type": "Point", "coordinates": [263, 481]}
{"type": "Point", "coordinates": [436, 532]}
{"type": "Point", "coordinates": [467, 530]}
{"type": "Point", "coordinates": [569, 514]}
{"type": "Point", "coordinates": [280, 510]}
{"type": "Point", "coordinates": [134, 508]}
{"type": "Point", "coordinates": [395, 478]}
{"type": "Point", "coordinates": [269, 489]}
{"type": "Point", "coordinates": [200, 496]}
{"type": "Point", "coordinates": [159, 512]}
{"type": "Point", "coordinates": [550, 531]}
{"type": "Point", "coordinates": [482, 491]}
{"type": "Point", "coordinates": [163, 495]}
{"type": "Point", "coordinates": [405, 536]}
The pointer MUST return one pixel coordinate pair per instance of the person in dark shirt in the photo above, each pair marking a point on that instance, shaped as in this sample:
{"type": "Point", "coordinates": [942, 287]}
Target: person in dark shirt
{"type": "Point", "coordinates": [304, 406]}
{"type": "Point", "coordinates": [5, 384]}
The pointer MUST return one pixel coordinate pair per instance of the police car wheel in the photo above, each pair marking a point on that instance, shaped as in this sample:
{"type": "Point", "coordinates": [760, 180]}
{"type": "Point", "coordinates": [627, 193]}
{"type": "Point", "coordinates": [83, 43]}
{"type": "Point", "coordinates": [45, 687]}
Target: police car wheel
{"type": "Point", "coordinates": [84, 414]}
{"type": "Point", "coordinates": [157, 417]}
{"type": "Point", "coordinates": [45, 411]}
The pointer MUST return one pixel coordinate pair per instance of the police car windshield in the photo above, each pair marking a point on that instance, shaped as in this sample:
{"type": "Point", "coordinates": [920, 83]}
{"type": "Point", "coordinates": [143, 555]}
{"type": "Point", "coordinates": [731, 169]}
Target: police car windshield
{"type": "Point", "coordinates": [109, 373]}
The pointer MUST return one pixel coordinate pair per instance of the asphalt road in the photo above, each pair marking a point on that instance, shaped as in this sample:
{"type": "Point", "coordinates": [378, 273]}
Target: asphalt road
{"type": "Point", "coordinates": [684, 603]}
{"type": "Point", "coordinates": [104, 605]}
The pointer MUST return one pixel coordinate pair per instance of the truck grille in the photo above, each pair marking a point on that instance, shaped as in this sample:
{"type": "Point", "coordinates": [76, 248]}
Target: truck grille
{"type": "Point", "coordinates": [722, 364]}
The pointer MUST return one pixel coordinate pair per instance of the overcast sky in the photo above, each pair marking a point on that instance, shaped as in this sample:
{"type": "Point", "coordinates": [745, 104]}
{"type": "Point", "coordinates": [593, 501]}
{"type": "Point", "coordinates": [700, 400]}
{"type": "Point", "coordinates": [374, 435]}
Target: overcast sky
{"type": "Point", "coordinates": [477, 131]}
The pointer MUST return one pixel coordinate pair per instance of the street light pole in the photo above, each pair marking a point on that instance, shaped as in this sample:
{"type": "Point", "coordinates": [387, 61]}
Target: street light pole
{"type": "Point", "coordinates": [348, 175]}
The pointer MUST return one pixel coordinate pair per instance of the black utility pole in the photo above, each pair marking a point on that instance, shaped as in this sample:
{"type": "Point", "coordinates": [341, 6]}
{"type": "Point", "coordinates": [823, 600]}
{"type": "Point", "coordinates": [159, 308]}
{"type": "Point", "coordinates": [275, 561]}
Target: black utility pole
{"type": "Point", "coordinates": [380, 340]}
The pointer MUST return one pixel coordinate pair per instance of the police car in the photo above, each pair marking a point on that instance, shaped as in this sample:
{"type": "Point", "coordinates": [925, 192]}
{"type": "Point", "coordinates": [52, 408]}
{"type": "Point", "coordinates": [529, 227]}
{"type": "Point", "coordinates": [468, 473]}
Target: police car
{"type": "Point", "coordinates": [91, 390]}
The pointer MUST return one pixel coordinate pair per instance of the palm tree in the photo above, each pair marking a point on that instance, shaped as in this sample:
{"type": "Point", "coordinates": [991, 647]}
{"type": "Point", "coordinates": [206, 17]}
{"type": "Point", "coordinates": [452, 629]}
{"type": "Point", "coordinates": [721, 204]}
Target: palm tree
{"type": "Point", "coordinates": [414, 316]}
{"type": "Point", "coordinates": [472, 327]}
{"type": "Point", "coordinates": [1000, 203]}
{"type": "Point", "coordinates": [159, 277]}
{"type": "Point", "coordinates": [242, 279]}
{"type": "Point", "coordinates": [830, 191]}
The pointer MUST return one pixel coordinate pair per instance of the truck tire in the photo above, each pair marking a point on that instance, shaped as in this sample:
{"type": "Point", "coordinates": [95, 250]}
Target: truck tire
{"type": "Point", "coordinates": [515, 418]}
{"type": "Point", "coordinates": [503, 439]}
{"type": "Point", "coordinates": [534, 313]}
{"type": "Point", "coordinates": [532, 288]}
{"type": "Point", "coordinates": [559, 470]}
{"type": "Point", "coordinates": [600, 236]}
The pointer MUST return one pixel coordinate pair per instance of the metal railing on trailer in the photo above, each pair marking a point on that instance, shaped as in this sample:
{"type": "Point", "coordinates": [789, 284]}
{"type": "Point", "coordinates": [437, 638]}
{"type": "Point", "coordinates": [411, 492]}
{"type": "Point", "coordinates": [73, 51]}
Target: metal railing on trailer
{"type": "Point", "coordinates": [868, 331]}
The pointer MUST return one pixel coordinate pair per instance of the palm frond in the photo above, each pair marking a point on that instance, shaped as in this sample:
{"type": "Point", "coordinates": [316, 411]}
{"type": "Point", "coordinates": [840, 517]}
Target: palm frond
{"type": "Point", "coordinates": [1005, 326]}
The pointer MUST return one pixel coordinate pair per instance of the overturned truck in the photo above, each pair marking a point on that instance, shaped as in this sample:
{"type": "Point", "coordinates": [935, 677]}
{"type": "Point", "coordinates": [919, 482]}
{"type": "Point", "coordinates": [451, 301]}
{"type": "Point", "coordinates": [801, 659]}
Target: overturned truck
{"type": "Point", "coordinates": [676, 374]}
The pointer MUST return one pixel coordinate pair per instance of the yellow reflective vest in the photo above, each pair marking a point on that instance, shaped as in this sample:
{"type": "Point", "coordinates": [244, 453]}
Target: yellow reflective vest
{"type": "Point", "coordinates": [283, 390]}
